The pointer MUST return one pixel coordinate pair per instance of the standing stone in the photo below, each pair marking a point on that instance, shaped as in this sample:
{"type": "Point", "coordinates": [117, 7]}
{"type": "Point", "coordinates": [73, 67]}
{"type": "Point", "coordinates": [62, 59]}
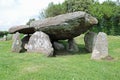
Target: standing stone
{"type": "Point", "coordinates": [4, 38]}
{"type": "Point", "coordinates": [89, 40]}
{"type": "Point", "coordinates": [14, 35]}
{"type": "Point", "coordinates": [17, 43]}
{"type": "Point", "coordinates": [58, 46]}
{"type": "Point", "coordinates": [100, 49]}
{"type": "Point", "coordinates": [72, 46]}
{"type": "Point", "coordinates": [40, 42]}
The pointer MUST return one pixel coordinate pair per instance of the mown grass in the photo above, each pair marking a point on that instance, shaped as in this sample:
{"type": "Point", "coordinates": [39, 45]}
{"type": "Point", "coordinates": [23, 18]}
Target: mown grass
{"type": "Point", "coordinates": [24, 66]}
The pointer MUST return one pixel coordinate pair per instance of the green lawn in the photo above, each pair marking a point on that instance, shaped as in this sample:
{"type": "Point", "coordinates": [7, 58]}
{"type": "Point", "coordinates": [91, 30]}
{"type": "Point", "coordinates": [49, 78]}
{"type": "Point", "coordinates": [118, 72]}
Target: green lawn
{"type": "Point", "coordinates": [24, 66]}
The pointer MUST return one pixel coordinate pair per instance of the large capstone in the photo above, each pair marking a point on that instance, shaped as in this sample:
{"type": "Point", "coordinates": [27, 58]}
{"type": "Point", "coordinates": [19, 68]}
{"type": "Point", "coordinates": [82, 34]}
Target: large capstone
{"type": "Point", "coordinates": [22, 29]}
{"type": "Point", "coordinates": [40, 42]}
{"type": "Point", "coordinates": [17, 43]}
{"type": "Point", "coordinates": [89, 40]}
{"type": "Point", "coordinates": [61, 27]}
{"type": "Point", "coordinates": [100, 49]}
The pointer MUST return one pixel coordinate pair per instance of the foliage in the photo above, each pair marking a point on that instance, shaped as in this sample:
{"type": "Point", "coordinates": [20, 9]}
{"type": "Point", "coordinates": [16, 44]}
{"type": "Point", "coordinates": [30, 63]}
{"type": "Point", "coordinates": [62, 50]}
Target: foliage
{"type": "Point", "coordinates": [2, 33]}
{"type": "Point", "coordinates": [30, 20]}
{"type": "Point", "coordinates": [14, 66]}
{"type": "Point", "coordinates": [54, 9]}
{"type": "Point", "coordinates": [77, 5]}
{"type": "Point", "coordinates": [107, 13]}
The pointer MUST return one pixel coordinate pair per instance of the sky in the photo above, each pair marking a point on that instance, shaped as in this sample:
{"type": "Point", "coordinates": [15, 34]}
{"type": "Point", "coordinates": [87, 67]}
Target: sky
{"type": "Point", "coordinates": [18, 12]}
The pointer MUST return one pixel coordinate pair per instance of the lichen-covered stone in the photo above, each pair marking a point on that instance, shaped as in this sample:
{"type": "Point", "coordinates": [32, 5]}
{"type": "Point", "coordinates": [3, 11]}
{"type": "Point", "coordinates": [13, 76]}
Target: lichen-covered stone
{"type": "Point", "coordinates": [17, 43]}
{"type": "Point", "coordinates": [89, 40]}
{"type": "Point", "coordinates": [61, 27]}
{"type": "Point", "coordinates": [100, 49]}
{"type": "Point", "coordinates": [39, 42]}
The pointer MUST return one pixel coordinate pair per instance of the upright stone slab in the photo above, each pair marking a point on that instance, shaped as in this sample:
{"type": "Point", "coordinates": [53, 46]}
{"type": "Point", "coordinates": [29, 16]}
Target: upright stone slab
{"type": "Point", "coordinates": [100, 49]}
{"type": "Point", "coordinates": [72, 46]}
{"type": "Point", "coordinates": [58, 46]}
{"type": "Point", "coordinates": [89, 40]}
{"type": "Point", "coordinates": [39, 42]}
{"type": "Point", "coordinates": [17, 43]}
{"type": "Point", "coordinates": [4, 38]}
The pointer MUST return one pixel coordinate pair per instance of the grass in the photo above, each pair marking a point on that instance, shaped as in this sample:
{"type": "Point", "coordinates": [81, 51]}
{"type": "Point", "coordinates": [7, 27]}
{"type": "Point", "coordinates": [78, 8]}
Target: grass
{"type": "Point", "coordinates": [14, 66]}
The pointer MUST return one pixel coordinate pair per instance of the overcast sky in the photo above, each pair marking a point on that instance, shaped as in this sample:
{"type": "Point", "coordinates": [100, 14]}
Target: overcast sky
{"type": "Point", "coordinates": [18, 12]}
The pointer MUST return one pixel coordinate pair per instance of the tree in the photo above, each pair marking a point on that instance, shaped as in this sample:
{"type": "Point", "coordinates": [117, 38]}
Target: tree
{"type": "Point", "coordinates": [54, 10]}
{"type": "Point", "coordinates": [78, 5]}
{"type": "Point", "coordinates": [30, 20]}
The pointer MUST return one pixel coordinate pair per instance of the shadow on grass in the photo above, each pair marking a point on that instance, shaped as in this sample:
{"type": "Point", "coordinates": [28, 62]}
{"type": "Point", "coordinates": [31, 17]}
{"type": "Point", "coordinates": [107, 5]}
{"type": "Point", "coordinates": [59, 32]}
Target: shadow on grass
{"type": "Point", "coordinates": [81, 47]}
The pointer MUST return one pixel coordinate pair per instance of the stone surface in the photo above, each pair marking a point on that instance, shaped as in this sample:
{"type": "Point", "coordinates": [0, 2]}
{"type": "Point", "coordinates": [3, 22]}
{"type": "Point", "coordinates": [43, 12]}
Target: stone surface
{"type": "Point", "coordinates": [58, 46]}
{"type": "Point", "coordinates": [22, 29]}
{"type": "Point", "coordinates": [4, 38]}
{"type": "Point", "coordinates": [17, 43]}
{"type": "Point", "coordinates": [72, 46]}
{"type": "Point", "coordinates": [61, 27]}
{"type": "Point", "coordinates": [39, 42]}
{"type": "Point", "coordinates": [89, 40]}
{"type": "Point", "coordinates": [100, 49]}
{"type": "Point", "coordinates": [25, 40]}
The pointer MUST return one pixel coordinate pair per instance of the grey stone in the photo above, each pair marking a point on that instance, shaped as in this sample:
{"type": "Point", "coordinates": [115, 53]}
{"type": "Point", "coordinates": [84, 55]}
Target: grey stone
{"type": "Point", "coordinates": [14, 36]}
{"type": "Point", "coordinates": [61, 27]}
{"type": "Point", "coordinates": [22, 29]}
{"type": "Point", "coordinates": [58, 46]}
{"type": "Point", "coordinates": [100, 49]}
{"type": "Point", "coordinates": [89, 40]}
{"type": "Point", "coordinates": [4, 38]}
{"type": "Point", "coordinates": [39, 42]}
{"type": "Point", "coordinates": [72, 46]}
{"type": "Point", "coordinates": [17, 43]}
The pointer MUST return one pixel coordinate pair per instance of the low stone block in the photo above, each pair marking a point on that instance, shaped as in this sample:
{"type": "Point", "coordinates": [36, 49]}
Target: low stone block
{"type": "Point", "coordinates": [58, 46]}
{"type": "Point", "coordinates": [72, 46]}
